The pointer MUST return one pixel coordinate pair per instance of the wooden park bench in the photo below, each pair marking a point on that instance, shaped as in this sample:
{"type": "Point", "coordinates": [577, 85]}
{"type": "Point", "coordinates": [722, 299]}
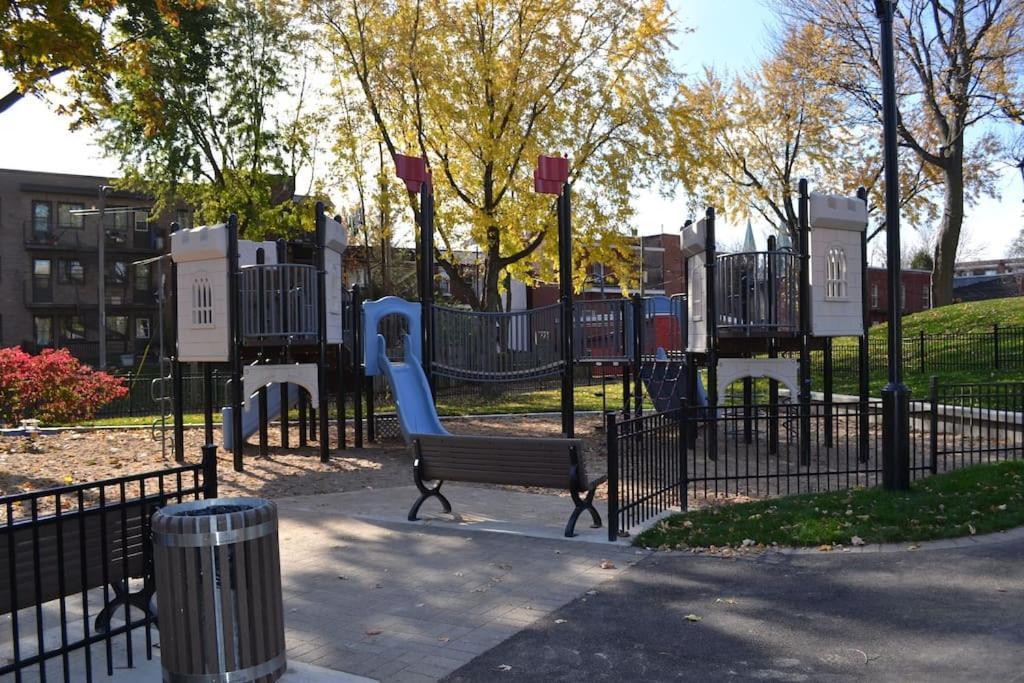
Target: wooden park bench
{"type": "Point", "coordinates": [544, 463]}
{"type": "Point", "coordinates": [60, 556]}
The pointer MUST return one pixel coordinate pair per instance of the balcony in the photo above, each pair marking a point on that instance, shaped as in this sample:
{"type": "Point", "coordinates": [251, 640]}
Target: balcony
{"type": "Point", "coordinates": [118, 238]}
{"type": "Point", "coordinates": [279, 304]}
{"type": "Point", "coordinates": [757, 294]}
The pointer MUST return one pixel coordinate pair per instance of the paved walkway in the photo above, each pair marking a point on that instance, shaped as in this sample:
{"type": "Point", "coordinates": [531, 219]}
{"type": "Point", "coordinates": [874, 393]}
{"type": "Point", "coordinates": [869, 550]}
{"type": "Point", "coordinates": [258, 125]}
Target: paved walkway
{"type": "Point", "coordinates": [396, 601]}
{"type": "Point", "coordinates": [945, 614]}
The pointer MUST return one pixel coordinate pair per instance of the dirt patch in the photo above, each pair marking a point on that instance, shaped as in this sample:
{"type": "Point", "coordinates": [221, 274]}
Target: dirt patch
{"type": "Point", "coordinates": [41, 462]}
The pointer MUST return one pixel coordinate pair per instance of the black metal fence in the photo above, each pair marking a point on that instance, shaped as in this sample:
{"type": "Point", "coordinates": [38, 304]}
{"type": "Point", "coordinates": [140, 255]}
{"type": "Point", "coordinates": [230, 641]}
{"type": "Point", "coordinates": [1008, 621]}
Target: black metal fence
{"type": "Point", "coordinates": [646, 468]}
{"type": "Point", "coordinates": [762, 450]}
{"type": "Point", "coordinates": [76, 572]}
{"type": "Point", "coordinates": [1001, 348]}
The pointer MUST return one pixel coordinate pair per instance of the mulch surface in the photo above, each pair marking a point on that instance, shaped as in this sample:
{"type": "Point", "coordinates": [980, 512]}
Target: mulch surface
{"type": "Point", "coordinates": [53, 460]}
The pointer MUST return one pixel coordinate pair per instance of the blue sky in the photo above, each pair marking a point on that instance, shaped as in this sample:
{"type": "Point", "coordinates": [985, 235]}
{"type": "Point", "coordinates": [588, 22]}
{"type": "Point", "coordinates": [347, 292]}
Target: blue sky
{"type": "Point", "coordinates": [731, 35]}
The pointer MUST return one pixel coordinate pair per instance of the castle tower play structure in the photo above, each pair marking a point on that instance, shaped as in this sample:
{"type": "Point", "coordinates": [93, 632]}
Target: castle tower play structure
{"type": "Point", "coordinates": [747, 310]}
{"type": "Point", "coordinates": [273, 311]}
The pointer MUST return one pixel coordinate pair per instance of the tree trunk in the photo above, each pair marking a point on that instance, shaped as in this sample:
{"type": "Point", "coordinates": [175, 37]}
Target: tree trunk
{"type": "Point", "coordinates": [949, 228]}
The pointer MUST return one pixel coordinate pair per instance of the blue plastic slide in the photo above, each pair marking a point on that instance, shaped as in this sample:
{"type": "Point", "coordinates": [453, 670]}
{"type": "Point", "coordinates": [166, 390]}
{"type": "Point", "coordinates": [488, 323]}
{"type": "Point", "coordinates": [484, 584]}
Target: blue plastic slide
{"type": "Point", "coordinates": [413, 400]}
{"type": "Point", "coordinates": [251, 413]}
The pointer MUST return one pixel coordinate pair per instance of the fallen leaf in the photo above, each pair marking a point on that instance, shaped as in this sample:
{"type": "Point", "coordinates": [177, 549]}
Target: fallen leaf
{"type": "Point", "coordinates": [825, 547]}
{"type": "Point", "coordinates": [591, 592]}
{"type": "Point", "coordinates": [504, 667]}
{"type": "Point", "coordinates": [559, 621]}
{"type": "Point", "coordinates": [607, 564]}
{"type": "Point", "coordinates": [727, 601]}
{"type": "Point", "coordinates": [692, 617]}
{"type": "Point", "coordinates": [1003, 507]}
{"type": "Point", "coordinates": [970, 527]}
{"type": "Point", "coordinates": [443, 639]}
{"type": "Point", "coordinates": [373, 632]}
{"type": "Point", "coordinates": [857, 541]}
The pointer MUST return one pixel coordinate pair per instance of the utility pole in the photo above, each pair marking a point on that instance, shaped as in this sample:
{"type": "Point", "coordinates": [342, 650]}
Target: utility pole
{"type": "Point", "coordinates": [101, 275]}
{"type": "Point", "coordinates": [895, 395]}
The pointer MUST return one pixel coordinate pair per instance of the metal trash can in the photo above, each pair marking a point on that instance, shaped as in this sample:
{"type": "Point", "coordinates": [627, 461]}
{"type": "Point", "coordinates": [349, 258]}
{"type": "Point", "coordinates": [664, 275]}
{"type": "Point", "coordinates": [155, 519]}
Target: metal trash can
{"type": "Point", "coordinates": [218, 588]}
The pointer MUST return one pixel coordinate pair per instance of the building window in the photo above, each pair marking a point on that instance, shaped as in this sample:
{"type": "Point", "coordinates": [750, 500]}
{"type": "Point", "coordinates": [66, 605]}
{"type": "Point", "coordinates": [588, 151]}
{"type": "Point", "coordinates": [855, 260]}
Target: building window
{"type": "Point", "coordinates": [874, 297]}
{"type": "Point", "coordinates": [696, 278]}
{"type": "Point", "coordinates": [142, 273]}
{"type": "Point", "coordinates": [117, 273]}
{"type": "Point", "coordinates": [202, 301]}
{"type": "Point", "coordinates": [71, 271]}
{"type": "Point", "coordinates": [41, 271]}
{"type": "Point", "coordinates": [74, 329]}
{"type": "Point", "coordinates": [66, 219]}
{"type": "Point", "coordinates": [183, 218]}
{"type": "Point", "coordinates": [141, 221]}
{"type": "Point", "coordinates": [835, 274]}
{"type": "Point", "coordinates": [41, 218]}
{"type": "Point", "coordinates": [142, 328]}
{"type": "Point", "coordinates": [926, 297]}
{"type": "Point", "coordinates": [42, 330]}
{"type": "Point", "coordinates": [117, 327]}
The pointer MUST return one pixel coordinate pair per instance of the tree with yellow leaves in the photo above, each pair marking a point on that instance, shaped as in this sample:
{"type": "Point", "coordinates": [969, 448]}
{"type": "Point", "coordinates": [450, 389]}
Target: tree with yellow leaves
{"type": "Point", "coordinates": [481, 88]}
{"type": "Point", "coordinates": [752, 138]}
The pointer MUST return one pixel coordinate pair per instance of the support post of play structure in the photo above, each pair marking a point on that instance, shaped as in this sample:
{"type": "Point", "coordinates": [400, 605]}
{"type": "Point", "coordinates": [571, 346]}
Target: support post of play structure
{"type": "Point", "coordinates": [827, 379]}
{"type": "Point", "coordinates": [638, 350]}
{"type": "Point", "coordinates": [895, 395]}
{"type": "Point", "coordinates": [427, 279]}
{"type": "Point", "coordinates": [235, 337]}
{"type": "Point", "coordinates": [177, 385]}
{"type": "Point", "coordinates": [803, 222]}
{"type": "Point", "coordinates": [773, 352]}
{"type": "Point", "coordinates": [864, 367]}
{"type": "Point", "coordinates": [282, 257]}
{"type": "Point", "coordinates": [261, 288]}
{"type": "Point", "coordinates": [208, 398]}
{"type": "Point", "coordinates": [357, 365]}
{"type": "Point", "coordinates": [303, 418]}
{"type": "Point", "coordinates": [551, 176]}
{"type": "Point", "coordinates": [711, 303]}
{"type": "Point", "coordinates": [565, 281]}
{"type": "Point", "coordinates": [340, 393]}
{"type": "Point", "coordinates": [321, 322]}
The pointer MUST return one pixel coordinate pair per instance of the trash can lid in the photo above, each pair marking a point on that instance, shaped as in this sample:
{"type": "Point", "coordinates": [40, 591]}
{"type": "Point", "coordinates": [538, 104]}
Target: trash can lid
{"type": "Point", "coordinates": [213, 522]}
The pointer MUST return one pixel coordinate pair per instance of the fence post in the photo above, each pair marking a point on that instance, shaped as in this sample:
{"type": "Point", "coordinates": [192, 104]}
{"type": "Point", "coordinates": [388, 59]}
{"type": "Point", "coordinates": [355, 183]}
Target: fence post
{"type": "Point", "coordinates": [933, 427]}
{"type": "Point", "coordinates": [995, 344]}
{"type": "Point", "coordinates": [921, 350]}
{"type": "Point", "coordinates": [210, 471]}
{"type": "Point", "coordinates": [611, 431]}
{"type": "Point", "coordinates": [684, 437]}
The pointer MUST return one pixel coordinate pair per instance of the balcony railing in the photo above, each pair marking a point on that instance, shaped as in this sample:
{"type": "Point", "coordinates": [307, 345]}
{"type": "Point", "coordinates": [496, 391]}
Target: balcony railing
{"type": "Point", "coordinates": [757, 293]}
{"type": "Point", "coordinates": [279, 303]}
{"type": "Point", "coordinates": [118, 238]}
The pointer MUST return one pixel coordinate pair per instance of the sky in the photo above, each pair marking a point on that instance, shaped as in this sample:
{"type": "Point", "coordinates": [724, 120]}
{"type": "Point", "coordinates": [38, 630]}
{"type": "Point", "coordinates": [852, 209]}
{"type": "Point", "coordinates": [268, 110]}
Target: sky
{"type": "Point", "coordinates": [731, 35]}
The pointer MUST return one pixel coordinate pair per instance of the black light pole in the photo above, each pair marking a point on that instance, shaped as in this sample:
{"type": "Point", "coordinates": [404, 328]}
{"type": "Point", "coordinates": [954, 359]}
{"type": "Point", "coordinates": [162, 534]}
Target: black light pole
{"type": "Point", "coordinates": [895, 395]}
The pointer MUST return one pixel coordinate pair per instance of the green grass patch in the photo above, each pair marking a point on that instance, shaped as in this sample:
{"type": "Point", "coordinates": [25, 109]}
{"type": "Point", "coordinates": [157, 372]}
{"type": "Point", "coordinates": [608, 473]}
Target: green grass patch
{"type": "Point", "coordinates": [979, 499]}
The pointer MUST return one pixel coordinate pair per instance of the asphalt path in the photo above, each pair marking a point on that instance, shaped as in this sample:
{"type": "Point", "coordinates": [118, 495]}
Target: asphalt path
{"type": "Point", "coordinates": [925, 615]}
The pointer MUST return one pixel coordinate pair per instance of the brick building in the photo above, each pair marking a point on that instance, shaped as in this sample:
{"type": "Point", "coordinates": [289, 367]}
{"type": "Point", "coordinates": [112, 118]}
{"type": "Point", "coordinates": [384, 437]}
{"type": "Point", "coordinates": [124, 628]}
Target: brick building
{"type": "Point", "coordinates": [50, 261]}
{"type": "Point", "coordinates": [916, 293]}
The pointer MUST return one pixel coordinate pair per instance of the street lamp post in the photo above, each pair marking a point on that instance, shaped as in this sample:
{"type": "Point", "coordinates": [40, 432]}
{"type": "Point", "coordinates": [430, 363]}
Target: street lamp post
{"type": "Point", "coordinates": [101, 277]}
{"type": "Point", "coordinates": [895, 395]}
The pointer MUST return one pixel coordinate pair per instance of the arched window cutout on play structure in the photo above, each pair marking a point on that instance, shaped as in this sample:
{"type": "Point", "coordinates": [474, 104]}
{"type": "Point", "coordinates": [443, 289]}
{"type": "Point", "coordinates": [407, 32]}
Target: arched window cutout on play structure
{"type": "Point", "coordinates": [202, 301]}
{"type": "Point", "coordinates": [835, 274]}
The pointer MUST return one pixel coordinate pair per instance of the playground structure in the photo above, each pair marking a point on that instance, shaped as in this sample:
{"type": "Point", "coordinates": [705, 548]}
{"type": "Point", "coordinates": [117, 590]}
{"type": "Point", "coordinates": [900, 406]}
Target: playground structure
{"type": "Point", "coordinates": [279, 314]}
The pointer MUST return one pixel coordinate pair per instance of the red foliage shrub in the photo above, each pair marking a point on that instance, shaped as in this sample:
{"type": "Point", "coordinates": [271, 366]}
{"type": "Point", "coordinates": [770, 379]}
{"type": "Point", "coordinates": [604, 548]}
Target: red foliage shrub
{"type": "Point", "coordinates": [53, 387]}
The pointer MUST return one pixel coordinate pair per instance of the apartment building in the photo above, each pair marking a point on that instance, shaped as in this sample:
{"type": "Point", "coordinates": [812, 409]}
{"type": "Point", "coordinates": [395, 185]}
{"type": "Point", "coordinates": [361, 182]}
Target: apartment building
{"type": "Point", "coordinates": [49, 266]}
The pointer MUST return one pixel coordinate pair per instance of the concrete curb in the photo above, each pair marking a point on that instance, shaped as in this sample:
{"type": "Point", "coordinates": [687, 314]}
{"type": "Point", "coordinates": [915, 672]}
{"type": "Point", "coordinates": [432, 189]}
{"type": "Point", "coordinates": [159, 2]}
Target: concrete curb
{"type": "Point", "coordinates": [994, 538]}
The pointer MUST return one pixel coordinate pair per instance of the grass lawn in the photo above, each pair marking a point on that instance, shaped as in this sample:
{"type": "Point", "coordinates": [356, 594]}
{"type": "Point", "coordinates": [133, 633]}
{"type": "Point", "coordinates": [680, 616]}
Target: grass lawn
{"type": "Point", "coordinates": [975, 316]}
{"type": "Point", "coordinates": [977, 499]}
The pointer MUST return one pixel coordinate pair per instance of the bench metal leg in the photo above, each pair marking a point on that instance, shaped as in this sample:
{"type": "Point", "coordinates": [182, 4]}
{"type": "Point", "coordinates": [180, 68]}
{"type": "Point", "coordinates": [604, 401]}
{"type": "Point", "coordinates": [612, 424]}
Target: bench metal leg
{"type": "Point", "coordinates": [426, 493]}
{"type": "Point", "coordinates": [581, 505]}
{"type": "Point", "coordinates": [141, 599]}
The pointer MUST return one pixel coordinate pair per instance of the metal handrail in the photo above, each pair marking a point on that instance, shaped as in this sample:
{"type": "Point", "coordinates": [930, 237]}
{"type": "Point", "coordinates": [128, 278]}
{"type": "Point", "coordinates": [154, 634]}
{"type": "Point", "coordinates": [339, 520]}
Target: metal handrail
{"type": "Point", "coordinates": [278, 302]}
{"type": "Point", "coordinates": [757, 292]}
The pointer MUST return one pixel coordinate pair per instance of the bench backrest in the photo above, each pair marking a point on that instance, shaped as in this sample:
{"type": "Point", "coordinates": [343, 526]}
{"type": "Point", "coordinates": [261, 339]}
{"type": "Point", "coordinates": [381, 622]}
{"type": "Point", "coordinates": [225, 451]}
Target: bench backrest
{"type": "Point", "coordinates": [80, 543]}
{"type": "Point", "coordinates": [500, 460]}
